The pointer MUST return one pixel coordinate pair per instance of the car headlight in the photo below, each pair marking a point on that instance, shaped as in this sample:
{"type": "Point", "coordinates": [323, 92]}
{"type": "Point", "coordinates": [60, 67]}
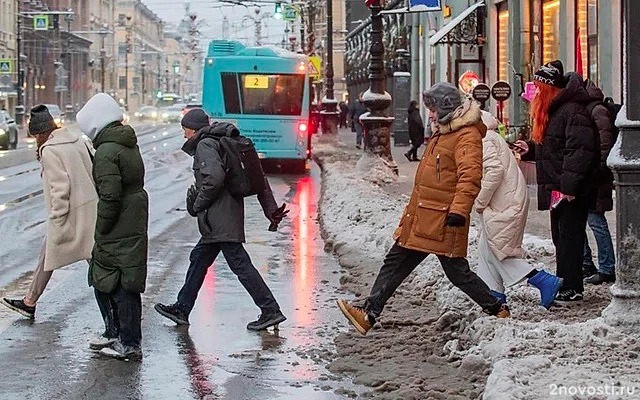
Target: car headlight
{"type": "Point", "coordinates": [137, 114]}
{"type": "Point", "coordinates": [165, 115]}
{"type": "Point", "coordinates": [57, 121]}
{"type": "Point", "coordinates": [154, 114]}
{"type": "Point", "coordinates": [2, 132]}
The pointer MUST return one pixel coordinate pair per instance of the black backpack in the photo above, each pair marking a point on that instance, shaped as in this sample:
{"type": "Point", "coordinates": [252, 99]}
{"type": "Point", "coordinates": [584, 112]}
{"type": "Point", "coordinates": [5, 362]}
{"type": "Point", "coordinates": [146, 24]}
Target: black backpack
{"type": "Point", "coordinates": [613, 109]}
{"type": "Point", "coordinates": [245, 176]}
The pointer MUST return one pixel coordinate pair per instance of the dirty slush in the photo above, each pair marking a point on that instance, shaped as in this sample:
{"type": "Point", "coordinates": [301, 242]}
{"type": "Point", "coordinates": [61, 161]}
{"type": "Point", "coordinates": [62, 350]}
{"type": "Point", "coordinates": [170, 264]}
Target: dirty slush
{"type": "Point", "coordinates": [431, 341]}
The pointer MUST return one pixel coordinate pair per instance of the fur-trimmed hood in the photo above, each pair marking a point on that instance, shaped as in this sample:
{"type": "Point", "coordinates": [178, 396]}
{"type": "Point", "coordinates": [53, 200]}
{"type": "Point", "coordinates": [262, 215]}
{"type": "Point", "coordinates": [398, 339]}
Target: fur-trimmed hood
{"type": "Point", "coordinates": [468, 114]}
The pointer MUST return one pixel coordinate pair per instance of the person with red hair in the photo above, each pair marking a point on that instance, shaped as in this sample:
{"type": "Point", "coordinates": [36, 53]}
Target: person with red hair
{"type": "Point", "coordinates": [566, 150]}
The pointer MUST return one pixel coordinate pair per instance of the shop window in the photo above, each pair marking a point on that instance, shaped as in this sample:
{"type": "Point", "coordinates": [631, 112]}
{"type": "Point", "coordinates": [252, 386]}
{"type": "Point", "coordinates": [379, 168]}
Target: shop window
{"type": "Point", "coordinates": [122, 82]}
{"type": "Point", "coordinates": [592, 30]}
{"type": "Point", "coordinates": [550, 30]}
{"type": "Point", "coordinates": [582, 32]}
{"type": "Point", "coordinates": [503, 50]}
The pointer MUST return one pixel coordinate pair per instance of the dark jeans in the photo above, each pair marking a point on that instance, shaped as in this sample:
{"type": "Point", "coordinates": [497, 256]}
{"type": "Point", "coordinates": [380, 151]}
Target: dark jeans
{"type": "Point", "coordinates": [606, 255]}
{"type": "Point", "coordinates": [413, 151]}
{"type": "Point", "coordinates": [122, 315]}
{"type": "Point", "coordinates": [400, 262]}
{"type": "Point", "coordinates": [359, 133]}
{"type": "Point", "coordinates": [568, 231]}
{"type": "Point", "coordinates": [203, 255]}
{"type": "Point", "coordinates": [343, 121]}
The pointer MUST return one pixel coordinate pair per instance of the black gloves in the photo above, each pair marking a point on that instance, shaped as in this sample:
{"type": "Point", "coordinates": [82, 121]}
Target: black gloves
{"type": "Point", "coordinates": [192, 192]}
{"type": "Point", "coordinates": [277, 217]}
{"type": "Point", "coordinates": [455, 220]}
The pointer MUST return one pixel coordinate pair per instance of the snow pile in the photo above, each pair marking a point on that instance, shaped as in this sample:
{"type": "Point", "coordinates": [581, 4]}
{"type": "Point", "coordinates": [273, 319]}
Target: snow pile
{"type": "Point", "coordinates": [567, 350]}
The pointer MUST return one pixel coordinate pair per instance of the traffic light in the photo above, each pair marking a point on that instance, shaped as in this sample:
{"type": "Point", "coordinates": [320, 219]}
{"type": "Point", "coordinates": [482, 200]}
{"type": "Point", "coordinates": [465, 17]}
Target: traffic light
{"type": "Point", "coordinates": [277, 13]}
{"type": "Point", "coordinates": [56, 21]}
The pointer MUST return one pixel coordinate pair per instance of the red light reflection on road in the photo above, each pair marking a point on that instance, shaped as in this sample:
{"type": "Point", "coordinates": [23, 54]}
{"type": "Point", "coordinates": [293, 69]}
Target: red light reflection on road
{"type": "Point", "coordinates": [304, 251]}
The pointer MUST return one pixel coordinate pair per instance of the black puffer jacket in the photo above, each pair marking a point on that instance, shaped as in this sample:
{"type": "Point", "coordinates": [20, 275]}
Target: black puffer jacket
{"type": "Point", "coordinates": [416, 127]}
{"type": "Point", "coordinates": [602, 119]}
{"type": "Point", "coordinates": [220, 215]}
{"type": "Point", "coordinates": [569, 156]}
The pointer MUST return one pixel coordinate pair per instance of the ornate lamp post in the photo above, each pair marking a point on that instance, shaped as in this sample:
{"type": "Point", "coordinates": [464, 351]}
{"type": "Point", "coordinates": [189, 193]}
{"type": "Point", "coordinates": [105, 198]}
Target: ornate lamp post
{"type": "Point", "coordinates": [126, 61]}
{"type": "Point", "coordinates": [143, 64]}
{"type": "Point", "coordinates": [377, 124]}
{"type": "Point", "coordinates": [623, 310]}
{"type": "Point", "coordinates": [329, 113]}
{"type": "Point", "coordinates": [69, 19]}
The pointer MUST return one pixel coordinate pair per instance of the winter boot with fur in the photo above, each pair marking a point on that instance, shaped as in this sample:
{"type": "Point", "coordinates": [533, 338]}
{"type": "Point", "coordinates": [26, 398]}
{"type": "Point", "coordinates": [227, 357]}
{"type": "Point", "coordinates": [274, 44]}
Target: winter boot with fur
{"type": "Point", "coordinates": [548, 285]}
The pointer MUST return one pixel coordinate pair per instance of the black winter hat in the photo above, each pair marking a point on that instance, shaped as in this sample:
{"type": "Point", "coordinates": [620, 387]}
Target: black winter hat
{"type": "Point", "coordinates": [552, 73]}
{"type": "Point", "coordinates": [41, 120]}
{"type": "Point", "coordinates": [195, 119]}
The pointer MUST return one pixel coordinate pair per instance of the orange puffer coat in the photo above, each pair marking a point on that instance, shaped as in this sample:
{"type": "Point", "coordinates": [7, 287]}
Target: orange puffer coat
{"type": "Point", "coordinates": [447, 181]}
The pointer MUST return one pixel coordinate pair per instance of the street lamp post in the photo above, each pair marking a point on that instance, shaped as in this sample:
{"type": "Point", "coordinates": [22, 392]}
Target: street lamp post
{"type": "Point", "coordinates": [330, 114]}
{"type": "Point", "coordinates": [69, 19]}
{"type": "Point", "coordinates": [144, 97]}
{"type": "Point", "coordinates": [20, 69]}
{"type": "Point", "coordinates": [377, 124]}
{"type": "Point", "coordinates": [126, 62]}
{"type": "Point", "coordinates": [623, 310]}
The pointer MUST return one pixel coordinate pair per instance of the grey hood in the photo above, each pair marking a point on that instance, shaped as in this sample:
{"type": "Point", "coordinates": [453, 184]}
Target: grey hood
{"type": "Point", "coordinates": [100, 111]}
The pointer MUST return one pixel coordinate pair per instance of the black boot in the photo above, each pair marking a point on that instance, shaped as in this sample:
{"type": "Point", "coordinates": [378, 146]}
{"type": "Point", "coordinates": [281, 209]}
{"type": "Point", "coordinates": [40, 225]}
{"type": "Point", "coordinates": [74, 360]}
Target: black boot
{"type": "Point", "coordinates": [266, 320]}
{"type": "Point", "coordinates": [20, 307]}
{"type": "Point", "coordinates": [173, 312]}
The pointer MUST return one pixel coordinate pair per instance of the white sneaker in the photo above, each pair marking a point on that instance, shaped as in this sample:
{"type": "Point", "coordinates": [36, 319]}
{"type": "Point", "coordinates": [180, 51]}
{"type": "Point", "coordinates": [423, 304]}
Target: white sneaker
{"type": "Point", "coordinates": [101, 342]}
{"type": "Point", "coordinates": [120, 352]}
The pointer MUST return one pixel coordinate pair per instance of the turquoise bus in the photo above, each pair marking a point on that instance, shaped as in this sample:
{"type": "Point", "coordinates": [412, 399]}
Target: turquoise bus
{"type": "Point", "coordinates": [265, 92]}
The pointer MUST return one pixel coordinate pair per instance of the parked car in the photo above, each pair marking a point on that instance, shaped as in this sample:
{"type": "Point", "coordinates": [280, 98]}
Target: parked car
{"type": "Point", "coordinates": [8, 131]}
{"type": "Point", "coordinates": [172, 113]}
{"type": "Point", "coordinates": [125, 116]}
{"type": "Point", "coordinates": [147, 113]}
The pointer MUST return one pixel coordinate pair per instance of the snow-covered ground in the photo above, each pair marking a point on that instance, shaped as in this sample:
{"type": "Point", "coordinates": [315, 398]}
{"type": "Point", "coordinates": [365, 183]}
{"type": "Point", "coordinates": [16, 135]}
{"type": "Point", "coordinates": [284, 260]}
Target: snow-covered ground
{"type": "Point", "coordinates": [565, 353]}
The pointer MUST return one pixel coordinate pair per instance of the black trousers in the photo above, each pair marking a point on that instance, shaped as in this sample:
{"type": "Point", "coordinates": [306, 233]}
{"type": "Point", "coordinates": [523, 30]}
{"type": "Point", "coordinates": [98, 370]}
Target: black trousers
{"type": "Point", "coordinates": [415, 145]}
{"type": "Point", "coordinates": [568, 231]}
{"type": "Point", "coordinates": [122, 315]}
{"type": "Point", "coordinates": [400, 262]}
{"type": "Point", "coordinates": [204, 254]}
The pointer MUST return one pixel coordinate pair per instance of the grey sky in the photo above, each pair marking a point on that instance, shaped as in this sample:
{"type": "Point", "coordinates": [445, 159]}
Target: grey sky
{"type": "Point", "coordinates": [213, 13]}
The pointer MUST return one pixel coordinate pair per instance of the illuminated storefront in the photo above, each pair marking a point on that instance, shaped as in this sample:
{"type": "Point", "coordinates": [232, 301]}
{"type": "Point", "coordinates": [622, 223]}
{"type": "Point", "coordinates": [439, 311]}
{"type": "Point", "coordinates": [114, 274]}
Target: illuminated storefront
{"type": "Point", "coordinates": [550, 30]}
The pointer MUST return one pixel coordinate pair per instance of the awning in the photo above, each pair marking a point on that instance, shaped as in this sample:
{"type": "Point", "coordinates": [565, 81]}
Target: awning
{"type": "Point", "coordinates": [460, 30]}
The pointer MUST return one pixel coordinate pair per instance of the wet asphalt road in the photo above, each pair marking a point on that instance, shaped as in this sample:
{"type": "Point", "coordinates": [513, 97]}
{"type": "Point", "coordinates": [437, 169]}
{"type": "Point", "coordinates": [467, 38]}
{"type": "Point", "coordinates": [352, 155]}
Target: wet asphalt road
{"type": "Point", "coordinates": [215, 357]}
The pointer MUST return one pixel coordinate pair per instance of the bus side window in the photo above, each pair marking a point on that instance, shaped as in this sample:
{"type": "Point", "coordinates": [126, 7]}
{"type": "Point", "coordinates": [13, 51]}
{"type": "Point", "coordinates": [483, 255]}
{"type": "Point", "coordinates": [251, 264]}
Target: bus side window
{"type": "Point", "coordinates": [230, 92]}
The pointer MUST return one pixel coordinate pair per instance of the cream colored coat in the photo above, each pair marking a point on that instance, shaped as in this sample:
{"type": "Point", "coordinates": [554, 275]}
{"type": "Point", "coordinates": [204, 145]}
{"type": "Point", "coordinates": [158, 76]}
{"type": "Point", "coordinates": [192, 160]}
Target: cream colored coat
{"type": "Point", "coordinates": [503, 200]}
{"type": "Point", "coordinates": [70, 197]}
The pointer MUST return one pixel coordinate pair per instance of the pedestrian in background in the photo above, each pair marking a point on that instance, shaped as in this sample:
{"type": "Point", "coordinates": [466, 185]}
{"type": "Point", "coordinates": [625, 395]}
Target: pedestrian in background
{"type": "Point", "coordinates": [357, 109]}
{"type": "Point", "coordinates": [118, 269]}
{"type": "Point", "coordinates": [221, 224]}
{"type": "Point", "coordinates": [416, 131]}
{"type": "Point", "coordinates": [437, 218]}
{"type": "Point", "coordinates": [596, 219]}
{"type": "Point", "coordinates": [567, 154]}
{"type": "Point", "coordinates": [503, 205]}
{"type": "Point", "coordinates": [70, 198]}
{"type": "Point", "coordinates": [344, 111]}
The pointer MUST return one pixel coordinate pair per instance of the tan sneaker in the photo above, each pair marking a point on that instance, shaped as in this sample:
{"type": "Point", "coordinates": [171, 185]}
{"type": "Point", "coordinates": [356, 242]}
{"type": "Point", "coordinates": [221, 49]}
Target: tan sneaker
{"type": "Point", "coordinates": [356, 315]}
{"type": "Point", "coordinates": [504, 312]}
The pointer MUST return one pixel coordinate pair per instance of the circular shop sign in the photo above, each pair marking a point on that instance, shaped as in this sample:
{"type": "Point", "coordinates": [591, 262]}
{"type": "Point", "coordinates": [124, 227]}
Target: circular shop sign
{"type": "Point", "coordinates": [481, 92]}
{"type": "Point", "coordinates": [501, 91]}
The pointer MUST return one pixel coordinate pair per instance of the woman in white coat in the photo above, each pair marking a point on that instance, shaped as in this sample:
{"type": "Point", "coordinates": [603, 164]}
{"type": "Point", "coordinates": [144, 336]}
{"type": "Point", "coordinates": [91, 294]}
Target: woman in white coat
{"type": "Point", "coordinates": [71, 201]}
{"type": "Point", "coordinates": [503, 204]}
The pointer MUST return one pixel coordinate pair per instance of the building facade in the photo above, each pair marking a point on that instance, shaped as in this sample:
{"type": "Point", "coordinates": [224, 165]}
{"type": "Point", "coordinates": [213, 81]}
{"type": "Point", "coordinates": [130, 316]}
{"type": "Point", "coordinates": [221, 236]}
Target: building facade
{"type": "Point", "coordinates": [8, 70]}
{"type": "Point", "coordinates": [140, 54]}
{"type": "Point", "coordinates": [498, 40]}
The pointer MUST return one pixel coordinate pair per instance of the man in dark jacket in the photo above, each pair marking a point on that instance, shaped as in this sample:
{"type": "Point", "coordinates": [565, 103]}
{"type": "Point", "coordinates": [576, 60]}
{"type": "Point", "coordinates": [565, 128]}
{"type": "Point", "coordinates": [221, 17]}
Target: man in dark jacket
{"type": "Point", "coordinates": [221, 223]}
{"type": "Point", "coordinates": [597, 220]}
{"type": "Point", "coordinates": [357, 109]}
{"type": "Point", "coordinates": [416, 131]}
{"type": "Point", "coordinates": [344, 111]}
{"type": "Point", "coordinates": [567, 158]}
{"type": "Point", "coordinates": [118, 268]}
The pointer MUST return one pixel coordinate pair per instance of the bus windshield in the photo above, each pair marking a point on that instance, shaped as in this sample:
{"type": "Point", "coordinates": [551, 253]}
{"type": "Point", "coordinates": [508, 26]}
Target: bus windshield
{"type": "Point", "coordinates": [272, 94]}
{"type": "Point", "coordinates": [168, 100]}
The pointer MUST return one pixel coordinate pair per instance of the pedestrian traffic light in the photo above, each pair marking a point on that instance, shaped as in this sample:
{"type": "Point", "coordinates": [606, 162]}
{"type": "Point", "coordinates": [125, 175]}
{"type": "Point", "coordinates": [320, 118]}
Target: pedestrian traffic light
{"type": "Point", "coordinates": [277, 13]}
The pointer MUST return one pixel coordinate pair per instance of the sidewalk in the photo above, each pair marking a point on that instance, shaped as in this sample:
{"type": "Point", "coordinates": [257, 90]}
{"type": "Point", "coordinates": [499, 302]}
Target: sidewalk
{"type": "Point", "coordinates": [431, 338]}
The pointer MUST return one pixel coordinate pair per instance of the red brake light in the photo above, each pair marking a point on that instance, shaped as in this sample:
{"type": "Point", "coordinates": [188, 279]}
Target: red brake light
{"type": "Point", "coordinates": [302, 127]}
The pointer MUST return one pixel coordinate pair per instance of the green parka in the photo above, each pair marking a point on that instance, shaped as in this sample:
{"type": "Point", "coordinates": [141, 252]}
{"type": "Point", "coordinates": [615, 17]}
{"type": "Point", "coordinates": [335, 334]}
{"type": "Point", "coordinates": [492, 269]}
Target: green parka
{"type": "Point", "coordinates": [121, 242]}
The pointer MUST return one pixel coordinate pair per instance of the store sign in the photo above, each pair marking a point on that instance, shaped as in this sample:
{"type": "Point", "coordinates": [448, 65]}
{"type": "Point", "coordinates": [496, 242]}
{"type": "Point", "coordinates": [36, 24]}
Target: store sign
{"type": "Point", "coordinates": [425, 5]}
{"type": "Point", "coordinates": [6, 66]}
{"type": "Point", "coordinates": [481, 93]}
{"type": "Point", "coordinates": [468, 81]}
{"type": "Point", "coordinates": [41, 22]}
{"type": "Point", "coordinates": [501, 91]}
